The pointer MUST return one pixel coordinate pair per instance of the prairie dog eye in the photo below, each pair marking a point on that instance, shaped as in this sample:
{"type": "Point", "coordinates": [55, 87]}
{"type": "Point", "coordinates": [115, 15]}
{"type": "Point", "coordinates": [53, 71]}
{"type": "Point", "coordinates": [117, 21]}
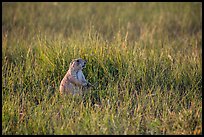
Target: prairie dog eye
{"type": "Point", "coordinates": [77, 61]}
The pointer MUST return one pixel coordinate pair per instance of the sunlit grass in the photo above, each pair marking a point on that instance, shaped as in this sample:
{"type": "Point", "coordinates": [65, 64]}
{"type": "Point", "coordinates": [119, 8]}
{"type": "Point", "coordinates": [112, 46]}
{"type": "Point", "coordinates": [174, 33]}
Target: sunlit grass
{"type": "Point", "coordinates": [143, 58]}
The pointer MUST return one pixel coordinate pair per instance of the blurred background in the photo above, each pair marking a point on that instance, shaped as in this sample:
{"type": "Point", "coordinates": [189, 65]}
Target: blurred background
{"type": "Point", "coordinates": [140, 20]}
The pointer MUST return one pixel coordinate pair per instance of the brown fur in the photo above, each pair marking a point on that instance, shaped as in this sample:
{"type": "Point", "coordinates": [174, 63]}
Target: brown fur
{"type": "Point", "coordinates": [74, 79]}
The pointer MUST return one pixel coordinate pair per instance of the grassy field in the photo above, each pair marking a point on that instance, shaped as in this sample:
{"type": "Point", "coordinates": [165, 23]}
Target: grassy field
{"type": "Point", "coordinates": [145, 60]}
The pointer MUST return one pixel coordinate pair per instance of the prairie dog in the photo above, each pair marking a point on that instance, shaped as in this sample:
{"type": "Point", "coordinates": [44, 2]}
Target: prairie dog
{"type": "Point", "coordinates": [74, 79]}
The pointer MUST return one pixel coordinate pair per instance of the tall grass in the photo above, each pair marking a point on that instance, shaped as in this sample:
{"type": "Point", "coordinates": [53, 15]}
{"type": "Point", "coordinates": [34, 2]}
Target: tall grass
{"type": "Point", "coordinates": [144, 59]}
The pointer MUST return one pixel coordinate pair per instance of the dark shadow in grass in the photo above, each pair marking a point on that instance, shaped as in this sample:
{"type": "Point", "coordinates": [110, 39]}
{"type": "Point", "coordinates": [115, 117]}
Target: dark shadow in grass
{"type": "Point", "coordinates": [92, 97]}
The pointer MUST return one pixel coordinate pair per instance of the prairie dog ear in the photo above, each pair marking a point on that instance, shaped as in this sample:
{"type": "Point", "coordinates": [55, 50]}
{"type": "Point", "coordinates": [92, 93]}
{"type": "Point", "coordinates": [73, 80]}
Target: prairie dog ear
{"type": "Point", "coordinates": [71, 62]}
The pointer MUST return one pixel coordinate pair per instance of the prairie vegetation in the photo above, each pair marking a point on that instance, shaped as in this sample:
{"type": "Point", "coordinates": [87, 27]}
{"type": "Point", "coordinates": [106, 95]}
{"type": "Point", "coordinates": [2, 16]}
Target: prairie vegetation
{"type": "Point", "coordinates": [145, 60]}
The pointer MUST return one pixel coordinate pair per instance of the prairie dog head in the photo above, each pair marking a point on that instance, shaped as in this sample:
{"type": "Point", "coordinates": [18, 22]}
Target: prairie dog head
{"type": "Point", "coordinates": [77, 64]}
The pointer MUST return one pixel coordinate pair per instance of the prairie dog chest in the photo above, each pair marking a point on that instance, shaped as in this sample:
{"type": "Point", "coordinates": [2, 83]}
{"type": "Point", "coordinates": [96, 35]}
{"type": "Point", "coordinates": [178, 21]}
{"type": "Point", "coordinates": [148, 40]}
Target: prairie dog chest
{"type": "Point", "coordinates": [77, 75]}
{"type": "Point", "coordinates": [80, 75]}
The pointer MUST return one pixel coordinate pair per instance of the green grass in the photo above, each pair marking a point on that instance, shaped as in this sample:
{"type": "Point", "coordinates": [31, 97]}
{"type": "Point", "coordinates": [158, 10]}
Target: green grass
{"type": "Point", "coordinates": [144, 58]}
